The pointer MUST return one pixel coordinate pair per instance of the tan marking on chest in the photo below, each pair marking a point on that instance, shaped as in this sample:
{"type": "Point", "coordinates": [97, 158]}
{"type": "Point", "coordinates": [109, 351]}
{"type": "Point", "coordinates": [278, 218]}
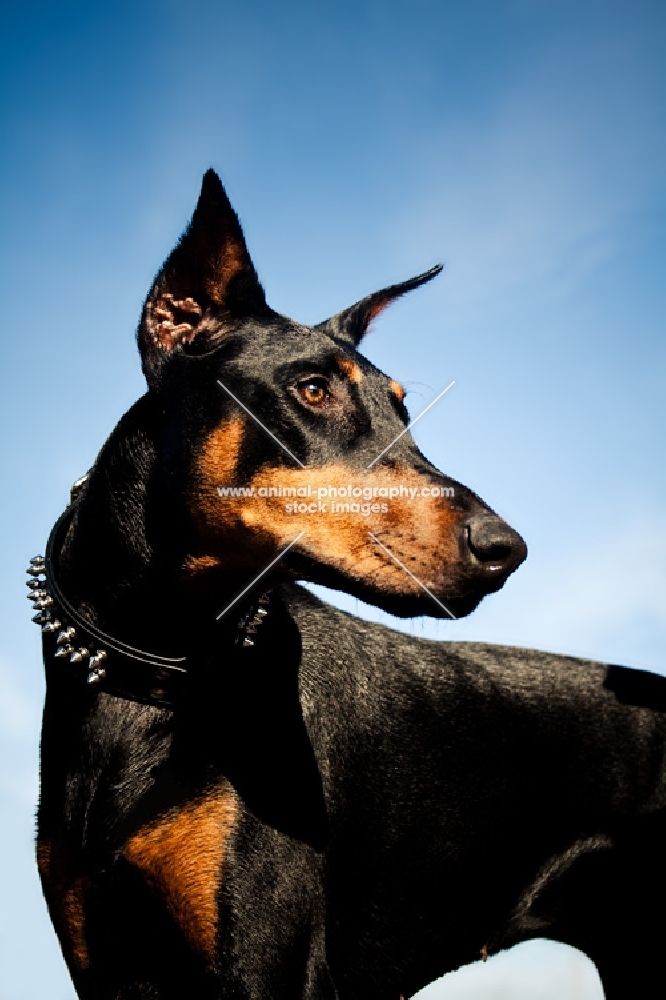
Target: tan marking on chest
{"type": "Point", "coordinates": [65, 890]}
{"type": "Point", "coordinates": [181, 855]}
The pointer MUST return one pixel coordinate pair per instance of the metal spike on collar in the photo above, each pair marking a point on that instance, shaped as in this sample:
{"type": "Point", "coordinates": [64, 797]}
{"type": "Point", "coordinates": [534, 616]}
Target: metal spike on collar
{"type": "Point", "coordinates": [77, 487]}
{"type": "Point", "coordinates": [38, 593]}
{"type": "Point", "coordinates": [254, 616]}
{"type": "Point", "coordinates": [42, 600]}
{"type": "Point", "coordinates": [97, 671]}
{"type": "Point", "coordinates": [79, 655]}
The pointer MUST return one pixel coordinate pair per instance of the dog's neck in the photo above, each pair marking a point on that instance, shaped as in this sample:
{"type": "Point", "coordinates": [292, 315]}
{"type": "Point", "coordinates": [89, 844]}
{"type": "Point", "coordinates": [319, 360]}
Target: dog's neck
{"type": "Point", "coordinates": [122, 564]}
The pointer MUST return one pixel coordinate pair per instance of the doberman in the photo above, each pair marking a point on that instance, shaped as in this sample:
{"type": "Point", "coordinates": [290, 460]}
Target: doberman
{"type": "Point", "coordinates": [248, 794]}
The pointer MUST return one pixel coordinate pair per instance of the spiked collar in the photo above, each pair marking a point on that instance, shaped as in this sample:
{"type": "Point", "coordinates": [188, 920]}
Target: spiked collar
{"type": "Point", "coordinates": [100, 659]}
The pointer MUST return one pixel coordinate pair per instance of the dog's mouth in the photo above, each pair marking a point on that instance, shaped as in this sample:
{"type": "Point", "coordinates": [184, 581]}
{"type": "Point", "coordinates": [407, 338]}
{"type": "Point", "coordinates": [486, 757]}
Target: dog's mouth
{"type": "Point", "coordinates": [426, 584]}
{"type": "Point", "coordinates": [441, 575]}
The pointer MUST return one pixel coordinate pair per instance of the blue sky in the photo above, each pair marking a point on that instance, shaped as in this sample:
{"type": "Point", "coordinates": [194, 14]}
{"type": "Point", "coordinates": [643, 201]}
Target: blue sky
{"type": "Point", "coordinates": [521, 143]}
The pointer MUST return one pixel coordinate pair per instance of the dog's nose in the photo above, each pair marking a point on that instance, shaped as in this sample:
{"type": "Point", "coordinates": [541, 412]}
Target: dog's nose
{"type": "Point", "coordinates": [495, 546]}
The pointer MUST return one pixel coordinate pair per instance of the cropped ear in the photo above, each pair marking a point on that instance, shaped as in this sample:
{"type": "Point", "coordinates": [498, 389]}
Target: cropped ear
{"type": "Point", "coordinates": [205, 286]}
{"type": "Point", "coordinates": [352, 324]}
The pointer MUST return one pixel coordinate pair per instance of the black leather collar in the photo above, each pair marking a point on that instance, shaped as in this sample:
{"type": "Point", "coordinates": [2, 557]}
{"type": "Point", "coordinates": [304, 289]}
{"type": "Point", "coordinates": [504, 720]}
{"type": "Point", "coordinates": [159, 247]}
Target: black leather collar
{"type": "Point", "coordinates": [106, 662]}
{"type": "Point", "coordinates": [73, 643]}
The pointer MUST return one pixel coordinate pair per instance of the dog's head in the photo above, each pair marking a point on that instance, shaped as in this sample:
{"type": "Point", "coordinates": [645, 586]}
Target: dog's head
{"type": "Point", "coordinates": [311, 437]}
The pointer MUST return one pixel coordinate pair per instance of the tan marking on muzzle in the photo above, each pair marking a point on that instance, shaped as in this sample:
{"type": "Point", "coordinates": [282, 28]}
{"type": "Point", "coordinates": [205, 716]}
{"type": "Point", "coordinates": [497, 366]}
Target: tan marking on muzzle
{"type": "Point", "coordinates": [247, 531]}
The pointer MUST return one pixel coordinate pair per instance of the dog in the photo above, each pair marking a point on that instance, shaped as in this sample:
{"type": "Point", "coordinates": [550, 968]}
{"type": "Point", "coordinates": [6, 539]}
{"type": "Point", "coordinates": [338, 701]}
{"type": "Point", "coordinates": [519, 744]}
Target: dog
{"type": "Point", "coordinates": [248, 794]}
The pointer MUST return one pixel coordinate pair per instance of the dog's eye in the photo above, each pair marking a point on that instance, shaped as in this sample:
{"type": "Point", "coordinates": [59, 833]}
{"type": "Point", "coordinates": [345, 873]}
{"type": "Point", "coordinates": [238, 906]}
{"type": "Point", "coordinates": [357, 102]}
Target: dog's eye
{"type": "Point", "coordinates": [315, 391]}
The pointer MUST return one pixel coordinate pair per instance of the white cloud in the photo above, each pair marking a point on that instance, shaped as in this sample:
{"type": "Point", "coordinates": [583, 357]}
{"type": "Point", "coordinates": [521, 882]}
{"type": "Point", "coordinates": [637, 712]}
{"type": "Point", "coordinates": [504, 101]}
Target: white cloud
{"type": "Point", "coordinates": [537, 970]}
